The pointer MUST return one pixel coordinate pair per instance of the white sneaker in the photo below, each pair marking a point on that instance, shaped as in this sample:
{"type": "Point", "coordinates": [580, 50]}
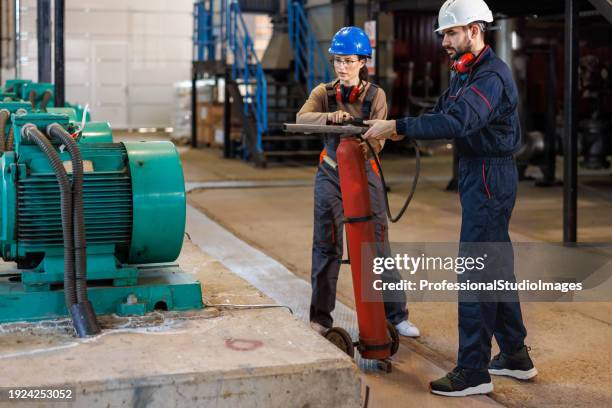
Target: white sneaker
{"type": "Point", "coordinates": [319, 328]}
{"type": "Point", "coordinates": [407, 329]}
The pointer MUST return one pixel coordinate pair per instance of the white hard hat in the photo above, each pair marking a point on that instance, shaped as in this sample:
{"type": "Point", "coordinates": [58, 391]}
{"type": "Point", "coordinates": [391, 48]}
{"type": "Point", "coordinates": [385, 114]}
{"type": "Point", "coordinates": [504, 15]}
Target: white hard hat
{"type": "Point", "coordinates": [455, 13]}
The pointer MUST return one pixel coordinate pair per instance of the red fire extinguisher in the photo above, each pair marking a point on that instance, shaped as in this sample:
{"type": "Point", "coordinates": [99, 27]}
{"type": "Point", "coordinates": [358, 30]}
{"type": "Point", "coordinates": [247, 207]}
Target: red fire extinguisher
{"type": "Point", "coordinates": [378, 339]}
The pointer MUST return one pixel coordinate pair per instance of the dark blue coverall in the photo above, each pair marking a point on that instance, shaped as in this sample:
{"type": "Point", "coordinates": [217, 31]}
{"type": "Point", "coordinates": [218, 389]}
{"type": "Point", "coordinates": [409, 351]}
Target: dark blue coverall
{"type": "Point", "coordinates": [479, 111]}
{"type": "Point", "coordinates": [327, 248]}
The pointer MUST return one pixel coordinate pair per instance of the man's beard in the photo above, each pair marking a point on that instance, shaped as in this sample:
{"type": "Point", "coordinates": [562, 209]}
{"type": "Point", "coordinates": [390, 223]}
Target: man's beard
{"type": "Point", "coordinates": [459, 51]}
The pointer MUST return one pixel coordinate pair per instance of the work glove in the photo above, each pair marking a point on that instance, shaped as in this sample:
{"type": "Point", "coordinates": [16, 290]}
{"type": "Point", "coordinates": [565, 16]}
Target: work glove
{"type": "Point", "coordinates": [381, 130]}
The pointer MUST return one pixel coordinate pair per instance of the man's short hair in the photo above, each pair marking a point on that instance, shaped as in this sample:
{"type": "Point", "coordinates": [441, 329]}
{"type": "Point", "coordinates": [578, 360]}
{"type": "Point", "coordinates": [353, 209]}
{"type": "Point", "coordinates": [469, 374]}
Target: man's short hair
{"type": "Point", "coordinates": [482, 25]}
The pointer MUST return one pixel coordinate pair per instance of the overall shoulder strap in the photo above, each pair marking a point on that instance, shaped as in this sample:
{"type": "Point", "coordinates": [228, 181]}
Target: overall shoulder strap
{"type": "Point", "coordinates": [366, 106]}
{"type": "Point", "coordinates": [332, 104]}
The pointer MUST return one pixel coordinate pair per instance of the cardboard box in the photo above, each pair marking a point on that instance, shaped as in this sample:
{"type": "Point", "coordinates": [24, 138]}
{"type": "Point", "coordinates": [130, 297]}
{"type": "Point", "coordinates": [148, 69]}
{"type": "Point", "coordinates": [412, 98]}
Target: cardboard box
{"type": "Point", "coordinates": [236, 134]}
{"type": "Point", "coordinates": [206, 135]}
{"type": "Point", "coordinates": [219, 137]}
{"type": "Point", "coordinates": [209, 113]}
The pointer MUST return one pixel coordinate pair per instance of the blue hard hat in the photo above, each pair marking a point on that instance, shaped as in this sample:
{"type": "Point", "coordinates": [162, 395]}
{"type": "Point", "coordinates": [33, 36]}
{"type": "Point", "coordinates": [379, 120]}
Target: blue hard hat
{"type": "Point", "coordinates": [351, 41]}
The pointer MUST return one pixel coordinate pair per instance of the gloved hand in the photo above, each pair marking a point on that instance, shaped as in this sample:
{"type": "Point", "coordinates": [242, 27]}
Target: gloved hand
{"type": "Point", "coordinates": [381, 129]}
{"type": "Point", "coordinates": [338, 117]}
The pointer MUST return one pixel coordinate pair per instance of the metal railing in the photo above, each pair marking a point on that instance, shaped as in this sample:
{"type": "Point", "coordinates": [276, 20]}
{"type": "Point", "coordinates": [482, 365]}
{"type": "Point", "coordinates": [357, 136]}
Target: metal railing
{"type": "Point", "coordinates": [204, 39]}
{"type": "Point", "coordinates": [310, 63]}
{"type": "Point", "coordinates": [236, 47]}
{"type": "Point", "coordinates": [248, 71]}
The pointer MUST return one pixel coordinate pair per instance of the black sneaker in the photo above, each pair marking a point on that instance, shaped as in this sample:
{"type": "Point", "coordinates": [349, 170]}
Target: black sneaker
{"type": "Point", "coordinates": [462, 382]}
{"type": "Point", "coordinates": [517, 365]}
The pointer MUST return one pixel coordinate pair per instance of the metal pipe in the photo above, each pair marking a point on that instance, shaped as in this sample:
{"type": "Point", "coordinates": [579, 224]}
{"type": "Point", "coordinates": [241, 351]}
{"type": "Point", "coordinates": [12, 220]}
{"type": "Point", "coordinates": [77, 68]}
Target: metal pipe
{"type": "Point", "coordinates": [43, 24]}
{"type": "Point", "coordinates": [17, 26]}
{"type": "Point", "coordinates": [570, 165]}
{"type": "Point", "coordinates": [59, 63]}
{"type": "Point", "coordinates": [335, 129]}
{"type": "Point", "coordinates": [377, 50]}
{"type": "Point", "coordinates": [227, 119]}
{"type": "Point", "coordinates": [551, 142]}
{"type": "Point", "coordinates": [194, 96]}
{"type": "Point", "coordinates": [349, 13]}
{"type": "Point", "coordinates": [2, 40]}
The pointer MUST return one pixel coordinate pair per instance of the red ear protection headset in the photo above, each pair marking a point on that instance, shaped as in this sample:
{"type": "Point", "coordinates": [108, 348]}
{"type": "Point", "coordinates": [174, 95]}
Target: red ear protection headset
{"type": "Point", "coordinates": [355, 92]}
{"type": "Point", "coordinates": [463, 64]}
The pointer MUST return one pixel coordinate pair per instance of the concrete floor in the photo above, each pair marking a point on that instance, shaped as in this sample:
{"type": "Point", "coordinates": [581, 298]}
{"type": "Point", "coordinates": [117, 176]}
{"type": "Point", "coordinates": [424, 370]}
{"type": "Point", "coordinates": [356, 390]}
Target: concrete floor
{"type": "Point", "coordinates": [570, 341]}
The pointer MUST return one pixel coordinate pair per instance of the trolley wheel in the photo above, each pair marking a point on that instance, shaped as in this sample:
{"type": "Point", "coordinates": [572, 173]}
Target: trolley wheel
{"type": "Point", "coordinates": [394, 335]}
{"type": "Point", "coordinates": [385, 365]}
{"type": "Point", "coordinates": [341, 339]}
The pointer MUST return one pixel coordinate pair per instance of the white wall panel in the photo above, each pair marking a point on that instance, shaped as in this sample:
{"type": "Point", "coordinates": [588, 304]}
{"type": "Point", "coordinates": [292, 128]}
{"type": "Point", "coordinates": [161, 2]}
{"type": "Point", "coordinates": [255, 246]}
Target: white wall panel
{"type": "Point", "coordinates": [29, 49]}
{"type": "Point", "coordinates": [156, 73]}
{"type": "Point", "coordinates": [159, 5]}
{"type": "Point", "coordinates": [28, 22]}
{"type": "Point", "coordinates": [110, 95]}
{"type": "Point", "coordinates": [150, 94]}
{"type": "Point", "coordinates": [159, 48]}
{"type": "Point", "coordinates": [151, 113]}
{"type": "Point", "coordinates": [76, 92]}
{"type": "Point", "coordinates": [29, 69]}
{"type": "Point", "coordinates": [90, 23]}
{"type": "Point", "coordinates": [77, 73]}
{"type": "Point", "coordinates": [121, 5]}
{"type": "Point", "coordinates": [122, 57]}
{"type": "Point", "coordinates": [77, 49]}
{"type": "Point", "coordinates": [114, 115]}
{"type": "Point", "coordinates": [161, 24]}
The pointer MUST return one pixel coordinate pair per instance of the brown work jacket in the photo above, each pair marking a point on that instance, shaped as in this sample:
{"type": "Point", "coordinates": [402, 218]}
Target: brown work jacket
{"type": "Point", "coordinates": [315, 109]}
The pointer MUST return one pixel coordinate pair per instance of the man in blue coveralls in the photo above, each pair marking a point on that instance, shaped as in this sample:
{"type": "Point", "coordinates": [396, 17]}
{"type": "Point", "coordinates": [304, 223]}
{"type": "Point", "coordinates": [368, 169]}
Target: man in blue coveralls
{"type": "Point", "coordinates": [478, 111]}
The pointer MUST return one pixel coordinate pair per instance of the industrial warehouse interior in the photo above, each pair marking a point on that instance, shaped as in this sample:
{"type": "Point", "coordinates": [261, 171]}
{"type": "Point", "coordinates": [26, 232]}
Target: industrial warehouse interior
{"type": "Point", "coordinates": [310, 203]}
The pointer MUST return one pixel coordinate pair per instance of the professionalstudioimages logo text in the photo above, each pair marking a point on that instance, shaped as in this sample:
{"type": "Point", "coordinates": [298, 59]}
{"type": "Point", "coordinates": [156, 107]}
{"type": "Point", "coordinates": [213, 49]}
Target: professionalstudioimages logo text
{"type": "Point", "coordinates": [483, 272]}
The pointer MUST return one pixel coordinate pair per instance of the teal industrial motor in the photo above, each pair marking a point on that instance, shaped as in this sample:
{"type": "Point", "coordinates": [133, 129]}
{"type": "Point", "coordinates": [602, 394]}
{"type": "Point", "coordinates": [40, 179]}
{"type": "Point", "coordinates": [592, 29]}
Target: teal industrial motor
{"type": "Point", "coordinates": [90, 225]}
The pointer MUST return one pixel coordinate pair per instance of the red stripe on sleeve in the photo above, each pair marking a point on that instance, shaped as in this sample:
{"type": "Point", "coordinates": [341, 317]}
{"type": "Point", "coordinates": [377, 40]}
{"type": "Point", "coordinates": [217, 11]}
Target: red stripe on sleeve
{"type": "Point", "coordinates": [482, 96]}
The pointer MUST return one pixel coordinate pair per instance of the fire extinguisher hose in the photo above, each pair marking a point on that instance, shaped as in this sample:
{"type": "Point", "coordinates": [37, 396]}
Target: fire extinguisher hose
{"type": "Point", "coordinates": [413, 187]}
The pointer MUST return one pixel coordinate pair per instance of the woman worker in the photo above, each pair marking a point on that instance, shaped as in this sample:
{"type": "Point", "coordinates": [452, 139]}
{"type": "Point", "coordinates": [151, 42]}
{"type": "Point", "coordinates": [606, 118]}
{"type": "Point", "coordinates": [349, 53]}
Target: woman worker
{"type": "Point", "coordinates": [348, 97]}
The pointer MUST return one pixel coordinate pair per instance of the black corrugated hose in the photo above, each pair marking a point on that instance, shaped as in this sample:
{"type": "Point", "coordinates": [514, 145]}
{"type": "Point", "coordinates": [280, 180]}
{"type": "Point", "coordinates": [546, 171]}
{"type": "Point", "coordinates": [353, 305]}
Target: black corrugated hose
{"type": "Point", "coordinates": [415, 181]}
{"type": "Point", "coordinates": [4, 116]}
{"type": "Point", "coordinates": [10, 141]}
{"type": "Point", "coordinates": [87, 322]}
{"type": "Point", "coordinates": [31, 132]}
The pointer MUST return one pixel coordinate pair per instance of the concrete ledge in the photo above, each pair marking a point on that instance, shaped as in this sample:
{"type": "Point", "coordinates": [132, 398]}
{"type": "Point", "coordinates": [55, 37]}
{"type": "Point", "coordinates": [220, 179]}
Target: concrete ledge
{"type": "Point", "coordinates": [250, 358]}
{"type": "Point", "coordinates": [216, 357]}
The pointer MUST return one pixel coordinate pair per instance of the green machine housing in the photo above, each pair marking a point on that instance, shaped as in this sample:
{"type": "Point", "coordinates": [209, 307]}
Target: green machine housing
{"type": "Point", "coordinates": [92, 132]}
{"type": "Point", "coordinates": [15, 86]}
{"type": "Point", "coordinates": [134, 210]}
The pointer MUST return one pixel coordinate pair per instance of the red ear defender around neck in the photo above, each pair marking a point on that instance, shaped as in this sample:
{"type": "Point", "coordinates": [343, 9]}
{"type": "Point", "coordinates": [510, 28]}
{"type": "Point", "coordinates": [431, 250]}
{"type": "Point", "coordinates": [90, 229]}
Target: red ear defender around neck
{"type": "Point", "coordinates": [353, 96]}
{"type": "Point", "coordinates": [463, 64]}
